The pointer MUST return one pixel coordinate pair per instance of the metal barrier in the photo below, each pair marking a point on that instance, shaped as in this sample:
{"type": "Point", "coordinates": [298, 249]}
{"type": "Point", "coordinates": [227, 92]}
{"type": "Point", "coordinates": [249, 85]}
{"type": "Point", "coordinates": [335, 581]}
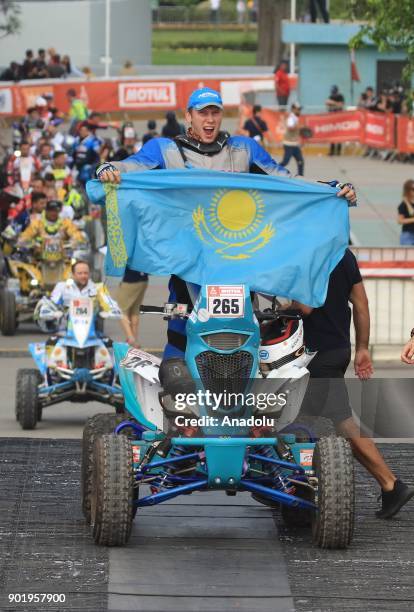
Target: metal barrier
{"type": "Point", "coordinates": [399, 253]}
{"type": "Point", "coordinates": [390, 295]}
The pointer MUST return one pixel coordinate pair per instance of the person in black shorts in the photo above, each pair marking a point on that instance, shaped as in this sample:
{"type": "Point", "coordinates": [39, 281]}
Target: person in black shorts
{"type": "Point", "coordinates": [327, 331]}
{"type": "Point", "coordinates": [256, 127]}
{"type": "Point", "coordinates": [334, 104]}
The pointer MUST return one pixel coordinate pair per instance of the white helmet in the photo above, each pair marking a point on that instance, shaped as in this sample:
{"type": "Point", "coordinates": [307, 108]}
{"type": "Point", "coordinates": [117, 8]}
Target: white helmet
{"type": "Point", "coordinates": [281, 343]}
{"type": "Point", "coordinates": [47, 315]}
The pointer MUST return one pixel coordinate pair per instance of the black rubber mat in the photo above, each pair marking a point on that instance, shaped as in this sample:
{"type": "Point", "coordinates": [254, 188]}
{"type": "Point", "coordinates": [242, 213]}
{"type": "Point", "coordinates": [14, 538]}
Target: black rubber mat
{"type": "Point", "coordinates": [45, 545]}
{"type": "Point", "coordinates": [377, 572]}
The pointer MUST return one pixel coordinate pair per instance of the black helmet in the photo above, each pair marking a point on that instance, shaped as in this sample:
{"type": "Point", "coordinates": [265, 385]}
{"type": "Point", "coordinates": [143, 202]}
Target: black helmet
{"type": "Point", "coordinates": [54, 205]}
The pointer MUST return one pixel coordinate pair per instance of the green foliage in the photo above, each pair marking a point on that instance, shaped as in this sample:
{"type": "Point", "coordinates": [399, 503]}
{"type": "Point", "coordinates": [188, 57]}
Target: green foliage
{"type": "Point", "coordinates": [390, 25]}
{"type": "Point", "coordinates": [189, 57]}
{"type": "Point", "coordinates": [204, 47]}
{"type": "Point", "coordinates": [9, 18]}
{"type": "Point", "coordinates": [231, 40]}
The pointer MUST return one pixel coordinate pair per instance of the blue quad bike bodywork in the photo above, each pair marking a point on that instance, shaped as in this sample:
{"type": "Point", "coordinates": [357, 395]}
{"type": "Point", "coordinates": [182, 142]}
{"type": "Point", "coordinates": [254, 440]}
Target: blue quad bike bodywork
{"type": "Point", "coordinates": [75, 365]}
{"type": "Point", "coordinates": [169, 451]}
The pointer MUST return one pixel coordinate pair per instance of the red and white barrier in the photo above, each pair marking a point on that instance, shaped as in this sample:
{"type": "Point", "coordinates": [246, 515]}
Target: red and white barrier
{"type": "Point", "coordinates": [135, 94]}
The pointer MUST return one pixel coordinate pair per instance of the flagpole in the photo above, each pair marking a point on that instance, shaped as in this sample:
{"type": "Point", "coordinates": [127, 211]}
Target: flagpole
{"type": "Point", "coordinates": [107, 36]}
{"type": "Point", "coordinates": [292, 45]}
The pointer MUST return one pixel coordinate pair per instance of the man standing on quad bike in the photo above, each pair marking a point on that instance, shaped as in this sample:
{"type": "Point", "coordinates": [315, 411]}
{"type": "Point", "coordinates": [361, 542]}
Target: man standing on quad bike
{"type": "Point", "coordinates": [50, 224]}
{"type": "Point", "coordinates": [203, 146]}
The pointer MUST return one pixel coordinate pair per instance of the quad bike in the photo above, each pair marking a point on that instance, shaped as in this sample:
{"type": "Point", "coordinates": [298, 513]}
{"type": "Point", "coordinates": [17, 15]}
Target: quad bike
{"type": "Point", "coordinates": [29, 278]}
{"type": "Point", "coordinates": [74, 365]}
{"type": "Point", "coordinates": [177, 446]}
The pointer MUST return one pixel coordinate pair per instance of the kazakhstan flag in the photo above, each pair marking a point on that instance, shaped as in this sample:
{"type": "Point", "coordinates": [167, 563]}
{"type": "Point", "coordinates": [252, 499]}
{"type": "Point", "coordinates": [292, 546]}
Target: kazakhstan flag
{"type": "Point", "coordinates": [280, 236]}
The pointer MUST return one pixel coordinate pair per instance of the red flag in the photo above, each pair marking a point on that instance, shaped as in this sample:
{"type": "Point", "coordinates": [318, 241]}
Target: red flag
{"type": "Point", "coordinates": [354, 69]}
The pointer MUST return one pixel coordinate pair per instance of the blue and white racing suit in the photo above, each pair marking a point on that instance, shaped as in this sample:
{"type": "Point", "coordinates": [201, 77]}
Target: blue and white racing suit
{"type": "Point", "coordinates": [228, 154]}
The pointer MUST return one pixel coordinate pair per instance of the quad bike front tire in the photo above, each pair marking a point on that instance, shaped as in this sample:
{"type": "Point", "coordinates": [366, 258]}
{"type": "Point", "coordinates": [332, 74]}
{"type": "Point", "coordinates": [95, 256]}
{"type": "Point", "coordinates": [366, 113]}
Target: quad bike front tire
{"type": "Point", "coordinates": [333, 522]}
{"type": "Point", "coordinates": [97, 425]}
{"type": "Point", "coordinates": [112, 490]}
{"type": "Point", "coordinates": [8, 313]}
{"type": "Point", "coordinates": [27, 398]}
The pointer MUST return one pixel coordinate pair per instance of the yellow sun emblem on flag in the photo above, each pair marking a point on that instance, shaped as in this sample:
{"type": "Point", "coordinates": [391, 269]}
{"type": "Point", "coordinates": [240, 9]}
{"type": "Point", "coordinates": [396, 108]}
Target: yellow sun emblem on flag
{"type": "Point", "coordinates": [234, 223]}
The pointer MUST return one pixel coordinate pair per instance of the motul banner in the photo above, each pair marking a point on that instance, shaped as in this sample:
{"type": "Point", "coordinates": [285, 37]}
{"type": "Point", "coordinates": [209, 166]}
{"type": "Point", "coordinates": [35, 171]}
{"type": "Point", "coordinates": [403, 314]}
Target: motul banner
{"type": "Point", "coordinates": [147, 95]}
{"type": "Point", "coordinates": [379, 130]}
{"type": "Point", "coordinates": [405, 135]}
{"type": "Point", "coordinates": [121, 94]}
{"type": "Point", "coordinates": [343, 126]}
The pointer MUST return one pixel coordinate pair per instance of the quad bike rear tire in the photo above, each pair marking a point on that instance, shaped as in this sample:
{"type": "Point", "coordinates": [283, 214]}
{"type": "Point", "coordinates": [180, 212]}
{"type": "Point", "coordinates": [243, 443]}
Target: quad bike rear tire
{"type": "Point", "coordinates": [27, 398]}
{"type": "Point", "coordinates": [333, 522]}
{"type": "Point", "coordinates": [8, 313]}
{"type": "Point", "coordinates": [112, 490]}
{"type": "Point", "coordinates": [97, 425]}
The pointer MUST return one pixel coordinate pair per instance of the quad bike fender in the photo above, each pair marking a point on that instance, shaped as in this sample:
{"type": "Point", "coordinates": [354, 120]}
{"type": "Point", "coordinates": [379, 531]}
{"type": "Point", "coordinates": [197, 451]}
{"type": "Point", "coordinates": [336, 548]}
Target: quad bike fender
{"type": "Point", "coordinates": [25, 272]}
{"type": "Point", "coordinates": [293, 382]}
{"type": "Point", "coordinates": [38, 352]}
{"type": "Point", "coordinates": [138, 375]}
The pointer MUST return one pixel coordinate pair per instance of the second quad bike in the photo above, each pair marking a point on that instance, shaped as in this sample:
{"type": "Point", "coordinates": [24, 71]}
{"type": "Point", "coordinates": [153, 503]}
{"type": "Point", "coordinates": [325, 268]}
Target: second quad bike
{"type": "Point", "coordinates": [75, 364]}
{"type": "Point", "coordinates": [29, 278]}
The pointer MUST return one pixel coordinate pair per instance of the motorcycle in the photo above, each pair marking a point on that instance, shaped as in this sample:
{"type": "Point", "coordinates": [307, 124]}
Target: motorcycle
{"type": "Point", "coordinates": [29, 278]}
{"type": "Point", "coordinates": [178, 441]}
{"type": "Point", "coordinates": [74, 365]}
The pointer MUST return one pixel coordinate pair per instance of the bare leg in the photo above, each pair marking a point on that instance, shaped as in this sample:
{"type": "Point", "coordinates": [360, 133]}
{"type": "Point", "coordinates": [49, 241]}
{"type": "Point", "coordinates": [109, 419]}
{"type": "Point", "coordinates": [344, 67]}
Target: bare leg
{"type": "Point", "coordinates": [367, 453]}
{"type": "Point", "coordinates": [127, 329]}
{"type": "Point", "coordinates": [134, 319]}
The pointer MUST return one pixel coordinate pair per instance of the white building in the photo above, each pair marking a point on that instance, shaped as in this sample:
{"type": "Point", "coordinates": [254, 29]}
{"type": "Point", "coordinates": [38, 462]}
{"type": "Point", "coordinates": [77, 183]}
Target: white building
{"type": "Point", "coordinates": [77, 28]}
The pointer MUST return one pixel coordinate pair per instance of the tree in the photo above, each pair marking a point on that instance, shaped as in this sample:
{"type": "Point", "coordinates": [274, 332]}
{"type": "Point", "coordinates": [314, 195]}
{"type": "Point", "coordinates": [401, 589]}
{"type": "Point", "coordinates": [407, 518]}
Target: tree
{"type": "Point", "coordinates": [270, 46]}
{"type": "Point", "coordinates": [390, 25]}
{"type": "Point", "coordinates": [9, 18]}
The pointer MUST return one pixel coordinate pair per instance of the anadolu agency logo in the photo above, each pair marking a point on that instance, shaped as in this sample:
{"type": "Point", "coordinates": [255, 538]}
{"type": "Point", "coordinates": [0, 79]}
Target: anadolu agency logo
{"type": "Point", "coordinates": [234, 223]}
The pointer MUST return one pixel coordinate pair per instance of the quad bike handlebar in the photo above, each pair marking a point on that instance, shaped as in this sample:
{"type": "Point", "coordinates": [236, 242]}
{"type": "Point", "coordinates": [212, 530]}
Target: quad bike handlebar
{"type": "Point", "coordinates": [271, 315]}
{"type": "Point", "coordinates": [172, 310]}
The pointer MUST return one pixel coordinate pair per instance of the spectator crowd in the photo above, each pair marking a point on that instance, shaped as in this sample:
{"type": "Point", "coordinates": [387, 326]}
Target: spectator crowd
{"type": "Point", "coordinates": [45, 65]}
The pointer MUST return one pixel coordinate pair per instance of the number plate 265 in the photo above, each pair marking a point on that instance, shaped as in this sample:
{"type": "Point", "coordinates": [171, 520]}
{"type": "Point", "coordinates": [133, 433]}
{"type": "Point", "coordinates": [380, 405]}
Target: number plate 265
{"type": "Point", "coordinates": [225, 300]}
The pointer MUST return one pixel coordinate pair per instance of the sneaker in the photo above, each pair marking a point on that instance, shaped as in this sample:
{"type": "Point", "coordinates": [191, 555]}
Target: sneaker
{"type": "Point", "coordinates": [393, 501]}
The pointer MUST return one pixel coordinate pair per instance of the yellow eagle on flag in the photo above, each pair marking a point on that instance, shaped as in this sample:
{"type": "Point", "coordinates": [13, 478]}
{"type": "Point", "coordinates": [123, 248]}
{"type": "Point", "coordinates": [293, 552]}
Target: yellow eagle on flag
{"type": "Point", "coordinates": [234, 223]}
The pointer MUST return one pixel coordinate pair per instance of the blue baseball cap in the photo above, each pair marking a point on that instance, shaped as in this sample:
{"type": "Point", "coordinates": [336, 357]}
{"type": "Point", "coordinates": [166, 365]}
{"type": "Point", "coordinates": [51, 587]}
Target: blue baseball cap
{"type": "Point", "coordinates": [200, 98]}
